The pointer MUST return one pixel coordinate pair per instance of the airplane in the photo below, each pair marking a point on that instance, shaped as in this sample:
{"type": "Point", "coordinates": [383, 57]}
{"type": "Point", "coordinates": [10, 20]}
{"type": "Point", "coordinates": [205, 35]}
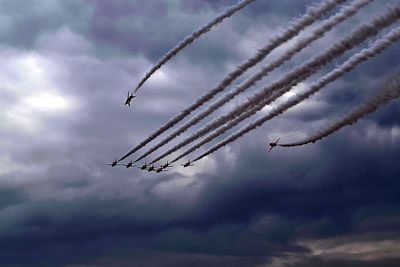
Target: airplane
{"type": "Point", "coordinates": [114, 163]}
{"type": "Point", "coordinates": [151, 168]}
{"type": "Point", "coordinates": [273, 144]}
{"type": "Point", "coordinates": [130, 164]}
{"type": "Point", "coordinates": [166, 165]}
{"type": "Point", "coordinates": [187, 164]}
{"type": "Point", "coordinates": [143, 167]}
{"type": "Point", "coordinates": [129, 99]}
{"type": "Point", "coordinates": [161, 169]}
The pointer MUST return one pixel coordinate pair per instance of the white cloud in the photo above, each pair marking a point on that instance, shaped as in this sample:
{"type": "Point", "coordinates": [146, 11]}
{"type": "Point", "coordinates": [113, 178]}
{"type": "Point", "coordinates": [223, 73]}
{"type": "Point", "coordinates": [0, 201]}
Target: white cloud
{"type": "Point", "coordinates": [27, 78]}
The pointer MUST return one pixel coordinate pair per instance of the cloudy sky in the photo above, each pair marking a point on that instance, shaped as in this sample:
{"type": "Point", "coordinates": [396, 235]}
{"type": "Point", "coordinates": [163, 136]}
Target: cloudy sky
{"type": "Point", "coordinates": [66, 67]}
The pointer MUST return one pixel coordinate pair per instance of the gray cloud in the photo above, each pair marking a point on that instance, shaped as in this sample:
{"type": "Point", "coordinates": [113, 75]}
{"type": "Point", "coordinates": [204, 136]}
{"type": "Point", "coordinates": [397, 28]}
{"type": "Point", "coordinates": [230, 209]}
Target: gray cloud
{"type": "Point", "coordinates": [62, 120]}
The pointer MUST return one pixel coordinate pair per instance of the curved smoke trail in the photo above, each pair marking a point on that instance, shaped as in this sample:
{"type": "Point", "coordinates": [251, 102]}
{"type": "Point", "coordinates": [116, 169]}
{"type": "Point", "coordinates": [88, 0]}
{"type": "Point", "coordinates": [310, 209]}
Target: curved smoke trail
{"type": "Point", "coordinates": [355, 60]}
{"type": "Point", "coordinates": [312, 14]}
{"type": "Point", "coordinates": [391, 92]}
{"type": "Point", "coordinates": [193, 36]}
{"type": "Point", "coordinates": [256, 102]}
{"type": "Point", "coordinates": [319, 32]}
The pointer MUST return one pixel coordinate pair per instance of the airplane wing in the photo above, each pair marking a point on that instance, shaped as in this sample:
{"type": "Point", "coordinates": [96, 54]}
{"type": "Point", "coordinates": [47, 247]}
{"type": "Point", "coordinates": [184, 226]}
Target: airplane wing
{"type": "Point", "coordinates": [270, 149]}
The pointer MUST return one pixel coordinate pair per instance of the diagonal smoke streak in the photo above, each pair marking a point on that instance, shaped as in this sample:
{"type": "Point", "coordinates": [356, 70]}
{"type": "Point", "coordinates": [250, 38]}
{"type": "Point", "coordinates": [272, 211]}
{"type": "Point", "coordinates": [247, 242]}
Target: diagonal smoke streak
{"type": "Point", "coordinates": [229, 125]}
{"type": "Point", "coordinates": [308, 68]}
{"type": "Point", "coordinates": [222, 130]}
{"type": "Point", "coordinates": [315, 87]}
{"type": "Point", "coordinates": [319, 32]}
{"type": "Point", "coordinates": [313, 13]}
{"type": "Point", "coordinates": [388, 94]}
{"type": "Point", "coordinates": [193, 36]}
{"type": "Point", "coordinates": [355, 60]}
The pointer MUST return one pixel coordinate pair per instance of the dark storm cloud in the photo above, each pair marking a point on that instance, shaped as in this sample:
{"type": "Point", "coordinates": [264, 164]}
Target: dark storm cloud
{"type": "Point", "coordinates": [11, 196]}
{"type": "Point", "coordinates": [60, 205]}
{"type": "Point", "coordinates": [298, 196]}
{"type": "Point", "coordinates": [131, 28]}
{"type": "Point", "coordinates": [24, 21]}
{"type": "Point", "coordinates": [389, 117]}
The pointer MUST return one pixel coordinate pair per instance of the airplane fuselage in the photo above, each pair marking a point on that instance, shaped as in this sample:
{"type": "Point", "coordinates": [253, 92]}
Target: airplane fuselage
{"type": "Point", "coordinates": [187, 164]}
{"type": "Point", "coordinates": [143, 167]}
{"type": "Point", "coordinates": [129, 99]}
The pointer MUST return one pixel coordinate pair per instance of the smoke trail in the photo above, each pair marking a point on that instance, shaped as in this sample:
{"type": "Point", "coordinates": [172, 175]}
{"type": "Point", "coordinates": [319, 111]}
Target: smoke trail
{"type": "Point", "coordinates": [347, 66]}
{"type": "Point", "coordinates": [292, 78]}
{"type": "Point", "coordinates": [311, 15]}
{"type": "Point", "coordinates": [390, 93]}
{"type": "Point", "coordinates": [326, 26]}
{"type": "Point", "coordinates": [193, 36]}
{"type": "Point", "coordinates": [355, 60]}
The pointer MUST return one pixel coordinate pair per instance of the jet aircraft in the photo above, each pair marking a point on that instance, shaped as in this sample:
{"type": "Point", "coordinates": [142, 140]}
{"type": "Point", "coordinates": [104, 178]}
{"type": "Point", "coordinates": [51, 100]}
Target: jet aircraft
{"type": "Point", "coordinates": [114, 163]}
{"type": "Point", "coordinates": [160, 169]}
{"type": "Point", "coordinates": [129, 98]}
{"type": "Point", "coordinates": [151, 168]}
{"type": "Point", "coordinates": [273, 144]}
{"type": "Point", "coordinates": [166, 165]}
{"type": "Point", "coordinates": [187, 164]}
{"type": "Point", "coordinates": [144, 166]}
{"type": "Point", "coordinates": [130, 164]}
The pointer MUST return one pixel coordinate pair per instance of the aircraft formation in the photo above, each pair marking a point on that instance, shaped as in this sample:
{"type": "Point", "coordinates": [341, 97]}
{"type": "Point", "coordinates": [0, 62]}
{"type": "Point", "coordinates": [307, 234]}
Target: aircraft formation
{"type": "Point", "coordinates": [147, 167]}
{"type": "Point", "coordinates": [323, 20]}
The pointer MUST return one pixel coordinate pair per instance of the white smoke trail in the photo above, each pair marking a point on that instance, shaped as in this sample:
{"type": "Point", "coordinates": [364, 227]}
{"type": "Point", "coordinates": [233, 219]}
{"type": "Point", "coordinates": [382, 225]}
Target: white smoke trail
{"type": "Point", "coordinates": [391, 92]}
{"type": "Point", "coordinates": [278, 88]}
{"type": "Point", "coordinates": [193, 36]}
{"type": "Point", "coordinates": [312, 14]}
{"type": "Point", "coordinates": [375, 49]}
{"type": "Point", "coordinates": [319, 32]}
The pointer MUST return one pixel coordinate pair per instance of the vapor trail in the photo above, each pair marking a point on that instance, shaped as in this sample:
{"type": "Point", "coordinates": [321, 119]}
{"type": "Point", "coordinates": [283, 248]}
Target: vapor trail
{"type": "Point", "coordinates": [193, 36]}
{"type": "Point", "coordinates": [387, 94]}
{"type": "Point", "coordinates": [347, 66]}
{"type": "Point", "coordinates": [351, 63]}
{"type": "Point", "coordinates": [312, 14]}
{"type": "Point", "coordinates": [256, 102]}
{"type": "Point", "coordinates": [319, 32]}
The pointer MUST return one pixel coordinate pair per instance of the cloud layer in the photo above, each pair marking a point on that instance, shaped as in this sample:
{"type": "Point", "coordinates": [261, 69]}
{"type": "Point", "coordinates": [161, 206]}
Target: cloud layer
{"type": "Point", "coordinates": [66, 68]}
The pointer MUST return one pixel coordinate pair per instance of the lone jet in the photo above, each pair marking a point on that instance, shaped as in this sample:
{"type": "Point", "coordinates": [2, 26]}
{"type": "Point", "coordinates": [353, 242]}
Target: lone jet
{"type": "Point", "coordinates": [187, 164]}
{"type": "Point", "coordinates": [129, 98]}
{"type": "Point", "coordinates": [166, 165]}
{"type": "Point", "coordinates": [273, 144]}
{"type": "Point", "coordinates": [151, 168]}
{"type": "Point", "coordinates": [130, 164]}
{"type": "Point", "coordinates": [114, 163]}
{"type": "Point", "coordinates": [144, 166]}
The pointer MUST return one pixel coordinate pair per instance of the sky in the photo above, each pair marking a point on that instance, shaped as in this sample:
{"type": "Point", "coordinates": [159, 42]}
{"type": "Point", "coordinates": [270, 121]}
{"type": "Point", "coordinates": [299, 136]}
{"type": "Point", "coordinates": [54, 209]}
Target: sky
{"type": "Point", "coordinates": [66, 69]}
